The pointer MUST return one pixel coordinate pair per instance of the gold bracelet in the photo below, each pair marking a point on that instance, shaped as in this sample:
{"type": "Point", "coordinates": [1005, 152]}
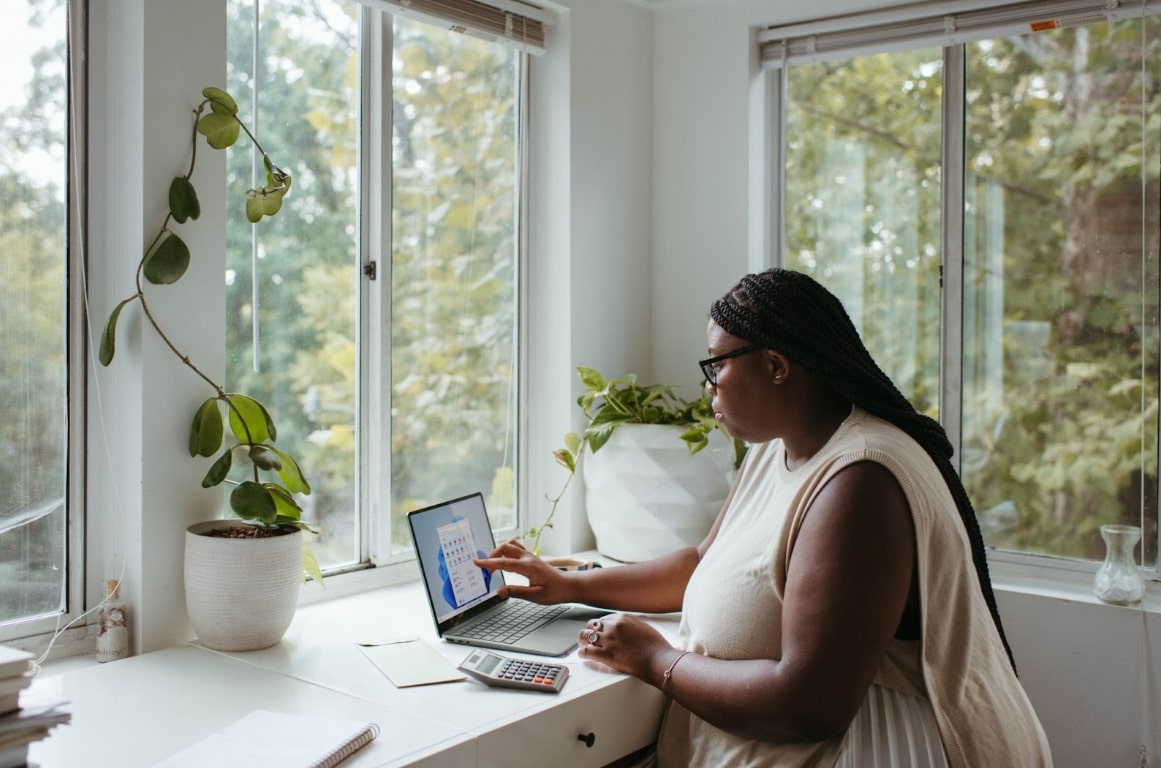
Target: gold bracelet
{"type": "Point", "coordinates": [669, 672]}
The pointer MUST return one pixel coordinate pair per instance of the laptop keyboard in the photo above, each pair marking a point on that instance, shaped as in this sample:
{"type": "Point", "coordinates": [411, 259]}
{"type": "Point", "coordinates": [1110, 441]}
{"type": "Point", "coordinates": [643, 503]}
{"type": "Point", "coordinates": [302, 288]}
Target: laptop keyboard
{"type": "Point", "coordinates": [513, 621]}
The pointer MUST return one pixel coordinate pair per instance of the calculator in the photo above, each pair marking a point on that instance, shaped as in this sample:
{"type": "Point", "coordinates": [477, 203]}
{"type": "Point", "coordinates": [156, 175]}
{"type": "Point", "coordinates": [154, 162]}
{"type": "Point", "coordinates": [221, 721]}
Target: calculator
{"type": "Point", "coordinates": [505, 672]}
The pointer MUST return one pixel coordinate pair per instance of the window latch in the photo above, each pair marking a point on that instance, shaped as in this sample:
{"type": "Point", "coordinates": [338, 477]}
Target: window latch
{"type": "Point", "coordinates": [370, 269]}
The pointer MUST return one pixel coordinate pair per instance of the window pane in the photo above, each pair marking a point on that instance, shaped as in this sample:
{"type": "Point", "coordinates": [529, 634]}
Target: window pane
{"type": "Point", "coordinates": [293, 281]}
{"type": "Point", "coordinates": [453, 272]}
{"type": "Point", "coordinates": [863, 202]}
{"type": "Point", "coordinates": [1061, 281]}
{"type": "Point", "coordinates": [453, 268]}
{"type": "Point", "coordinates": [33, 311]}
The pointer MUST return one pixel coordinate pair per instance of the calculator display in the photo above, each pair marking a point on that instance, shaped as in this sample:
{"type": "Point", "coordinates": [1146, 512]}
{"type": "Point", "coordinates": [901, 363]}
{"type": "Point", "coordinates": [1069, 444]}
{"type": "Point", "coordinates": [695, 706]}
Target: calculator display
{"type": "Point", "coordinates": [489, 663]}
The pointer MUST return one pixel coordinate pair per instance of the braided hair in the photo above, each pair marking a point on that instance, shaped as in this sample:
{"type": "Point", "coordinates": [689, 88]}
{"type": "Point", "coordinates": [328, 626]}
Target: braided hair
{"type": "Point", "coordinates": [792, 313]}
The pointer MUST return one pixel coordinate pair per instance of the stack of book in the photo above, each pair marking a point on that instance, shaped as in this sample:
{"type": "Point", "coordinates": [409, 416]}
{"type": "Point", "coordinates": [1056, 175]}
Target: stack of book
{"type": "Point", "coordinates": [21, 725]}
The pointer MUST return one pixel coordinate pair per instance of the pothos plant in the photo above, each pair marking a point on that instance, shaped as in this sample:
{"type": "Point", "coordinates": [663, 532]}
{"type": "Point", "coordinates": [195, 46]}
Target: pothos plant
{"type": "Point", "coordinates": [609, 403]}
{"type": "Point", "coordinates": [269, 506]}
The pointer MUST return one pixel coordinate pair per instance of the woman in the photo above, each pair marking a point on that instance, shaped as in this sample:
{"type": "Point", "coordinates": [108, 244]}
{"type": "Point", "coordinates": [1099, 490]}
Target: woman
{"type": "Point", "coordinates": [839, 613]}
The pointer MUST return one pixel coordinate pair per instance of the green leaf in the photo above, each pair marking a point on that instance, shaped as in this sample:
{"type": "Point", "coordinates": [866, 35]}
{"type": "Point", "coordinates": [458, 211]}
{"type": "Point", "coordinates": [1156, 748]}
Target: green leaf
{"type": "Point", "coordinates": [275, 176]}
{"type": "Point", "coordinates": [253, 209]}
{"type": "Point", "coordinates": [565, 459]}
{"type": "Point", "coordinates": [221, 130]}
{"type": "Point", "coordinates": [168, 261]}
{"type": "Point", "coordinates": [291, 474]}
{"type": "Point", "coordinates": [599, 434]}
{"type": "Point", "coordinates": [255, 425]}
{"type": "Point", "coordinates": [266, 201]}
{"type": "Point", "coordinates": [288, 509]}
{"type": "Point", "coordinates": [183, 200]}
{"type": "Point", "coordinates": [220, 469]}
{"type": "Point", "coordinates": [108, 336]}
{"type": "Point", "coordinates": [591, 378]}
{"type": "Point", "coordinates": [608, 416]}
{"type": "Point", "coordinates": [310, 564]}
{"type": "Point", "coordinates": [251, 501]}
{"type": "Point", "coordinates": [220, 100]}
{"type": "Point", "coordinates": [265, 458]}
{"type": "Point", "coordinates": [205, 436]}
{"type": "Point", "coordinates": [740, 449]}
{"type": "Point", "coordinates": [696, 438]}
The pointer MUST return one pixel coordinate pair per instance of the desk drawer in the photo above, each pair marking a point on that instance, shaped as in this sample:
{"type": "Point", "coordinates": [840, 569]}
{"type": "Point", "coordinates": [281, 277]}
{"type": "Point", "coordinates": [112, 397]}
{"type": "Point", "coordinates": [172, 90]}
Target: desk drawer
{"type": "Point", "coordinates": [620, 719]}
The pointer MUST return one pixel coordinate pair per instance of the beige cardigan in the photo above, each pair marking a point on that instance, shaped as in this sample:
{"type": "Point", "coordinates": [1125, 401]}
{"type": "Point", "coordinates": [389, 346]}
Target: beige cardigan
{"type": "Point", "coordinates": [734, 598]}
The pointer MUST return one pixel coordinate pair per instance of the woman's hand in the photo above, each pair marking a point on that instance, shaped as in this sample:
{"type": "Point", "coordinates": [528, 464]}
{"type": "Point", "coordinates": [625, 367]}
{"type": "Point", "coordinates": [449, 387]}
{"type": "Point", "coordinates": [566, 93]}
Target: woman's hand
{"type": "Point", "coordinates": [625, 643]}
{"type": "Point", "coordinates": [546, 584]}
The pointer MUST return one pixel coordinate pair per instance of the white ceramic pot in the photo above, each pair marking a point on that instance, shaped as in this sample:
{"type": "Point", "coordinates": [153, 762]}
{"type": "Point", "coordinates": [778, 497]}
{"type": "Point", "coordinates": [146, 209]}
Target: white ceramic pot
{"type": "Point", "coordinates": [241, 594]}
{"type": "Point", "coordinates": [647, 496]}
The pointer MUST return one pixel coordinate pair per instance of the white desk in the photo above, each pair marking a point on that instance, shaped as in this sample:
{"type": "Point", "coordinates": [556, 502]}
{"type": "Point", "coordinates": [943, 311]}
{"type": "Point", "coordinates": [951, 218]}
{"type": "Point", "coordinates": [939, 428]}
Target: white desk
{"type": "Point", "coordinates": [135, 711]}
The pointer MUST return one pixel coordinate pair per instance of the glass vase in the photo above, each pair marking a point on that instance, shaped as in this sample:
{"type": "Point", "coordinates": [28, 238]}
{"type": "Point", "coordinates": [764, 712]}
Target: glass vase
{"type": "Point", "coordinates": [1119, 581]}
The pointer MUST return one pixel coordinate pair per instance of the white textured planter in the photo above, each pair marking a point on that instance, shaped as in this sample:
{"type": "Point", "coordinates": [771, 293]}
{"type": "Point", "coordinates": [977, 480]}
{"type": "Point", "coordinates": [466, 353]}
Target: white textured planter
{"type": "Point", "coordinates": [647, 496]}
{"type": "Point", "coordinates": [241, 594]}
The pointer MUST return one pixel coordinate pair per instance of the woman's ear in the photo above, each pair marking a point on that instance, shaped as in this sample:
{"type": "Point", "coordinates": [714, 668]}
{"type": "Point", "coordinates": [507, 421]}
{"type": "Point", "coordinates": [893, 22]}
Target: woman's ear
{"type": "Point", "coordinates": [778, 366]}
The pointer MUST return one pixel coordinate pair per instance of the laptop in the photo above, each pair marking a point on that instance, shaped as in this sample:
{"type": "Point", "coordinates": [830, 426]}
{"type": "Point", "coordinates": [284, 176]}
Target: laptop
{"type": "Point", "coordinates": [464, 598]}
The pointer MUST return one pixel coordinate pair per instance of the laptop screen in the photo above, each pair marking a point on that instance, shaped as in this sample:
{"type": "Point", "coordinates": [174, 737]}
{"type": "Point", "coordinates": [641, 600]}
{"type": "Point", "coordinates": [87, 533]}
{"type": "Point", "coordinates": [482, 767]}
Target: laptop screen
{"type": "Point", "coordinates": [447, 537]}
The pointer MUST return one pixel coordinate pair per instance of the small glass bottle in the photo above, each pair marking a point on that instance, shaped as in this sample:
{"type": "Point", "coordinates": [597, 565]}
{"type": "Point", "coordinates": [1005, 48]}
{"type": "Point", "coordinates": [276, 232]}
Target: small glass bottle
{"type": "Point", "coordinates": [1119, 581]}
{"type": "Point", "coordinates": [112, 624]}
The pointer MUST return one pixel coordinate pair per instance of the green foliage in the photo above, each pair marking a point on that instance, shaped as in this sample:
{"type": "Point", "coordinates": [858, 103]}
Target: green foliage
{"type": "Point", "coordinates": [453, 268]}
{"type": "Point", "coordinates": [304, 304]}
{"type": "Point", "coordinates": [263, 504]}
{"type": "Point", "coordinates": [1060, 363]}
{"type": "Point", "coordinates": [610, 403]}
{"type": "Point", "coordinates": [166, 263]}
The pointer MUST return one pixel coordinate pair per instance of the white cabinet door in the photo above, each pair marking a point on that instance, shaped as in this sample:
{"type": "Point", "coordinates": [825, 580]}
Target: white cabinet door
{"type": "Point", "coordinates": [590, 731]}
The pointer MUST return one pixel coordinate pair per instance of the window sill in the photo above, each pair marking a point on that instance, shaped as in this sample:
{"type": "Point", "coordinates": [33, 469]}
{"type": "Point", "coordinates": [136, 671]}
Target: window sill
{"type": "Point", "coordinates": [1060, 579]}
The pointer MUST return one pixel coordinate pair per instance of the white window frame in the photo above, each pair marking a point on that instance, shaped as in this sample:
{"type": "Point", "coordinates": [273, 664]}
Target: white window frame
{"type": "Point", "coordinates": [27, 633]}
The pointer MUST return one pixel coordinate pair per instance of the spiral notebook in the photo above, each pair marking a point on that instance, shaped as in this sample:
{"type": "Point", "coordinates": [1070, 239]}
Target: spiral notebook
{"type": "Point", "coordinates": [265, 739]}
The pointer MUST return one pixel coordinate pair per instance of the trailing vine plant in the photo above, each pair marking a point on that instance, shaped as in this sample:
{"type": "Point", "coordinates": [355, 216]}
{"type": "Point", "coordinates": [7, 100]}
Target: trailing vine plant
{"type": "Point", "coordinates": [268, 506]}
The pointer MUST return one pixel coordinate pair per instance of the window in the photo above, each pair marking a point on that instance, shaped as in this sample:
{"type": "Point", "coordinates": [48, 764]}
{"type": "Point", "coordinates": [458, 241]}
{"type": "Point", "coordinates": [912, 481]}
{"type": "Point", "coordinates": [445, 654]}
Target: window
{"type": "Point", "coordinates": [35, 383]}
{"type": "Point", "coordinates": [988, 211]}
{"type": "Point", "coordinates": [863, 199]}
{"type": "Point", "coordinates": [379, 318]}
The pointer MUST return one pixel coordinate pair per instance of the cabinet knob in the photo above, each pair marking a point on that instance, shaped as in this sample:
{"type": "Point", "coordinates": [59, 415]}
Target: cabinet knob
{"type": "Point", "coordinates": [588, 738]}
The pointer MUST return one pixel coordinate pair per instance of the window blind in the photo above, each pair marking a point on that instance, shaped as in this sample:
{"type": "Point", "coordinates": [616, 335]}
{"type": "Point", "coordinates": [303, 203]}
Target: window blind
{"type": "Point", "coordinates": [505, 21]}
{"type": "Point", "coordinates": [925, 24]}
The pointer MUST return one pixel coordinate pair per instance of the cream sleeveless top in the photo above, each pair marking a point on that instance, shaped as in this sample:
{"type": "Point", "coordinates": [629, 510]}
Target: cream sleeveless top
{"type": "Point", "coordinates": [733, 610]}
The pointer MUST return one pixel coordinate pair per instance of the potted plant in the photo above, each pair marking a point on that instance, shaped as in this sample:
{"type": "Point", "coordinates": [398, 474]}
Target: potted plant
{"type": "Point", "coordinates": [246, 570]}
{"type": "Point", "coordinates": [665, 470]}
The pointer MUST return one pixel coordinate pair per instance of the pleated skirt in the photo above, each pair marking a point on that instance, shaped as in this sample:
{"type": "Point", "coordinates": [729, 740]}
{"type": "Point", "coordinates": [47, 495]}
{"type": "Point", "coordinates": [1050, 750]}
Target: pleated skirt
{"type": "Point", "coordinates": [892, 730]}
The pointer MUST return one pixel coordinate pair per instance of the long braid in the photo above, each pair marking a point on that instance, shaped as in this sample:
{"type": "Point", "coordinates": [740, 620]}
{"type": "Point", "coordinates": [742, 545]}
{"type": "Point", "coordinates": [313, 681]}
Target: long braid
{"type": "Point", "coordinates": [792, 313]}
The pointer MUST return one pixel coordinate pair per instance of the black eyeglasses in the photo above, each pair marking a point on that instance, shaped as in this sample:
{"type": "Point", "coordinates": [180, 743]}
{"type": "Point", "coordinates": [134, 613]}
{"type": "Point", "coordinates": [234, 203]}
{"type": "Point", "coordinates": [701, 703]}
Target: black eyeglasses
{"type": "Point", "coordinates": [710, 366]}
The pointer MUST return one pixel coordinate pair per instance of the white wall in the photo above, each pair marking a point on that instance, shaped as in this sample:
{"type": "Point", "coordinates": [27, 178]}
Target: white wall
{"type": "Point", "coordinates": [149, 61]}
{"type": "Point", "coordinates": [1096, 690]}
{"type": "Point", "coordinates": [1092, 672]}
{"type": "Point", "coordinates": [589, 257]}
